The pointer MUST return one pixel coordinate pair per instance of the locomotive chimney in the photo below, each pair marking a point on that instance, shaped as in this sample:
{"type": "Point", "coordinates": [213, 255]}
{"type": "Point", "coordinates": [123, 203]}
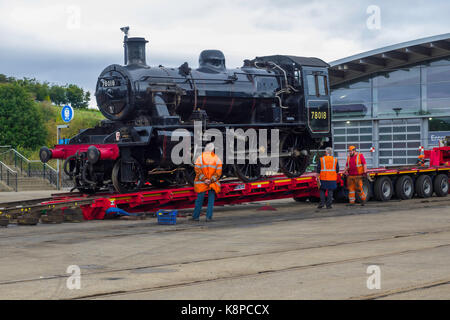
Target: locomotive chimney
{"type": "Point", "coordinates": [135, 49]}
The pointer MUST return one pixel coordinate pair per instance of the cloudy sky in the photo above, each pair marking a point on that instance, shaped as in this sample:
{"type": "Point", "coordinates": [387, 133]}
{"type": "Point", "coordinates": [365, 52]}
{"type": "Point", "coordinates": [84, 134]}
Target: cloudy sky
{"type": "Point", "coordinates": [72, 41]}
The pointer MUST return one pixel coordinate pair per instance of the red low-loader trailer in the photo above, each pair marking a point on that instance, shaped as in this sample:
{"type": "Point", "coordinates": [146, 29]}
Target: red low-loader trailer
{"type": "Point", "coordinates": [380, 184]}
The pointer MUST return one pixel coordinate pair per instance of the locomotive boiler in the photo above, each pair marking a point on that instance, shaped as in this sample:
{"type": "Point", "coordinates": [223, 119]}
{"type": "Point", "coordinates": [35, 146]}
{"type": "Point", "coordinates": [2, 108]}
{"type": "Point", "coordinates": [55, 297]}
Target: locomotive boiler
{"type": "Point", "coordinates": [146, 106]}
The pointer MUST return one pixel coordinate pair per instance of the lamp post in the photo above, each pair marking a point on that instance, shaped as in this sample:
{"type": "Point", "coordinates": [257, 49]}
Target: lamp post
{"type": "Point", "coordinates": [58, 133]}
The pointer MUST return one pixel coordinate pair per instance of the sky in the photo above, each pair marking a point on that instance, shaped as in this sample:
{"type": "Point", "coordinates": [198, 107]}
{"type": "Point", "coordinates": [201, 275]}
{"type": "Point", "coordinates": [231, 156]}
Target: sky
{"type": "Point", "coordinates": [62, 41]}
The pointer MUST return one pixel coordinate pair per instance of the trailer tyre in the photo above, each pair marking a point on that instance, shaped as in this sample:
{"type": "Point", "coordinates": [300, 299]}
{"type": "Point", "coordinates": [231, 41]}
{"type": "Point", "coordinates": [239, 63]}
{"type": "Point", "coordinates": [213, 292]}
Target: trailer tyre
{"type": "Point", "coordinates": [383, 189]}
{"type": "Point", "coordinates": [404, 187]}
{"type": "Point", "coordinates": [424, 186]}
{"type": "Point", "coordinates": [441, 185]}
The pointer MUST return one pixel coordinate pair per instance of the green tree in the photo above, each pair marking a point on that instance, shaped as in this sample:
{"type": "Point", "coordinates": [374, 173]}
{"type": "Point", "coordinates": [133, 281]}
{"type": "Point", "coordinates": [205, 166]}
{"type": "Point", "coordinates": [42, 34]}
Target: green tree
{"type": "Point", "coordinates": [20, 121]}
{"type": "Point", "coordinates": [58, 95]}
{"type": "Point", "coordinates": [76, 96]}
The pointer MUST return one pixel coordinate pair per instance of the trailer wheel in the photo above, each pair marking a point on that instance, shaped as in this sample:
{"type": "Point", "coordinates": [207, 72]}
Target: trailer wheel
{"type": "Point", "coordinates": [383, 189]}
{"type": "Point", "coordinates": [424, 186]}
{"type": "Point", "coordinates": [404, 187]}
{"type": "Point", "coordinates": [441, 185]}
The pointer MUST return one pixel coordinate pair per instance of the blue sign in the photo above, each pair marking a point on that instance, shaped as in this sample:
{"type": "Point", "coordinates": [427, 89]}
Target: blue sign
{"type": "Point", "coordinates": [67, 113]}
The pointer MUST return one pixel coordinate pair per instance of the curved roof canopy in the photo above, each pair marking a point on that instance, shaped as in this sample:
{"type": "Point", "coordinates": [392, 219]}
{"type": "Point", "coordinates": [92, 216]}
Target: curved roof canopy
{"type": "Point", "coordinates": [391, 57]}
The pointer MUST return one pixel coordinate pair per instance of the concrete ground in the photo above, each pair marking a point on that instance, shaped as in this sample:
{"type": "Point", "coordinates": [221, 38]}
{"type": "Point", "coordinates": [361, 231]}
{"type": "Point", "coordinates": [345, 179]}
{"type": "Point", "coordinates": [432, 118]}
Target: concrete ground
{"type": "Point", "coordinates": [296, 252]}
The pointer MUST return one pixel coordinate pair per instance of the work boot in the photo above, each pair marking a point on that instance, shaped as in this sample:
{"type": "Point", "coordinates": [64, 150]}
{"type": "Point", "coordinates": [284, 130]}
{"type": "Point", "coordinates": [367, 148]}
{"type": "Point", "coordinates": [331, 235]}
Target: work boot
{"type": "Point", "coordinates": [329, 207]}
{"type": "Point", "coordinates": [320, 206]}
{"type": "Point", "coordinates": [363, 204]}
{"type": "Point", "coordinates": [194, 219]}
{"type": "Point", "coordinates": [209, 219]}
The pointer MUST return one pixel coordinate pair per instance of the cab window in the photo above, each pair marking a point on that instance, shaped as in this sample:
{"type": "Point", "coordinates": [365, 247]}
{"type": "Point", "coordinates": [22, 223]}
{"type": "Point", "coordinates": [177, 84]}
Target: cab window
{"type": "Point", "coordinates": [317, 85]}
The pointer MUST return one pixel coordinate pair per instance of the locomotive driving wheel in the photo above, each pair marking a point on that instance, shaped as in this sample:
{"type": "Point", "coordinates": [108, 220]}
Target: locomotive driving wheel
{"type": "Point", "coordinates": [248, 171]}
{"type": "Point", "coordinates": [136, 179]}
{"type": "Point", "coordinates": [294, 158]}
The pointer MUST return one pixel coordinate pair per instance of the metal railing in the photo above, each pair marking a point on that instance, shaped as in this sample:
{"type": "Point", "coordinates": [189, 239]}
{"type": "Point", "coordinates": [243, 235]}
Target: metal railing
{"type": "Point", "coordinates": [8, 176]}
{"type": "Point", "coordinates": [32, 168]}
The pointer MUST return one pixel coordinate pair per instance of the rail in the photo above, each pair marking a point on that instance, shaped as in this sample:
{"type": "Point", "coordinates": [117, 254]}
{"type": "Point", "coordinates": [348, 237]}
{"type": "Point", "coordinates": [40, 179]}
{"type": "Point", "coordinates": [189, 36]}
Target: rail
{"type": "Point", "coordinates": [8, 176]}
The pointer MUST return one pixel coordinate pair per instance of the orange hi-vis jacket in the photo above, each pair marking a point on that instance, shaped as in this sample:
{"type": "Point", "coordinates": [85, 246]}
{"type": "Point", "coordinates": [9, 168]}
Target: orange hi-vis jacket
{"type": "Point", "coordinates": [328, 166]}
{"type": "Point", "coordinates": [359, 165]}
{"type": "Point", "coordinates": [207, 166]}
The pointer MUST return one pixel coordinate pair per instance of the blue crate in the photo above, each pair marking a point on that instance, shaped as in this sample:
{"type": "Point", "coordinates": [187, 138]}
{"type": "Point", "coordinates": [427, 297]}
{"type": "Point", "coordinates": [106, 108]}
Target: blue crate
{"type": "Point", "coordinates": [167, 217]}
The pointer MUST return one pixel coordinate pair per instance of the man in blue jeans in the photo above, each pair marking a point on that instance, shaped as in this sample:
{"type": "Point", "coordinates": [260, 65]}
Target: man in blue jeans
{"type": "Point", "coordinates": [208, 169]}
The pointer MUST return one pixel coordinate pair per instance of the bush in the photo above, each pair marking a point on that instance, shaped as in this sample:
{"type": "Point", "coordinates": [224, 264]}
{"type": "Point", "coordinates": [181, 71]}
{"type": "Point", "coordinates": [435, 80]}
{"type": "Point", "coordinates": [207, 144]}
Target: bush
{"type": "Point", "coordinates": [20, 120]}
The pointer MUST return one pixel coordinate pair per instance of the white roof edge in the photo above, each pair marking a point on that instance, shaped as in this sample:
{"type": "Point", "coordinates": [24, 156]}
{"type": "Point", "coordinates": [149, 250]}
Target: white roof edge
{"type": "Point", "coordinates": [445, 36]}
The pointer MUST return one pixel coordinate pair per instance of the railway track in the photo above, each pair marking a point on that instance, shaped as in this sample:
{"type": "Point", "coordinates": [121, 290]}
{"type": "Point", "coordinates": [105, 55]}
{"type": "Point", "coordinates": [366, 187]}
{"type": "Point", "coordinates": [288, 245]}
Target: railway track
{"type": "Point", "coordinates": [419, 233]}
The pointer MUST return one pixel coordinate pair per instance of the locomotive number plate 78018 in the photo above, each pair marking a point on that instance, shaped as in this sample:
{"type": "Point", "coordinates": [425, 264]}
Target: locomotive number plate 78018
{"type": "Point", "coordinates": [108, 83]}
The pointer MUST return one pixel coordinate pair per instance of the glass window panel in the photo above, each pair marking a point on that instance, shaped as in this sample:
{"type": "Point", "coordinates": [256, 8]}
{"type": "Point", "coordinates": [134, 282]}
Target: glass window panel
{"type": "Point", "coordinates": [411, 160]}
{"type": "Point", "coordinates": [440, 62]}
{"type": "Point", "coordinates": [399, 145]}
{"type": "Point", "coordinates": [385, 145]}
{"type": "Point", "coordinates": [386, 122]}
{"type": "Point", "coordinates": [321, 81]}
{"type": "Point", "coordinates": [399, 129]}
{"type": "Point", "coordinates": [438, 90]}
{"type": "Point", "coordinates": [365, 130]}
{"type": "Point", "coordinates": [413, 152]}
{"type": "Point", "coordinates": [360, 83]}
{"type": "Point", "coordinates": [399, 93]}
{"type": "Point", "coordinates": [366, 145]}
{"type": "Point", "coordinates": [399, 136]}
{"type": "Point", "coordinates": [399, 160]}
{"type": "Point", "coordinates": [365, 138]}
{"type": "Point", "coordinates": [399, 107]}
{"type": "Point", "coordinates": [413, 144]}
{"type": "Point", "coordinates": [311, 84]}
{"type": "Point", "coordinates": [385, 137]}
{"type": "Point", "coordinates": [436, 106]}
{"type": "Point", "coordinates": [339, 131]}
{"type": "Point", "coordinates": [352, 138]}
{"type": "Point", "coordinates": [386, 153]}
{"type": "Point", "coordinates": [414, 136]}
{"type": "Point", "coordinates": [351, 96]}
{"type": "Point", "coordinates": [398, 77]}
{"type": "Point", "coordinates": [340, 146]}
{"type": "Point", "coordinates": [438, 74]}
{"type": "Point", "coordinates": [439, 124]}
{"type": "Point", "coordinates": [384, 161]}
{"type": "Point", "coordinates": [399, 152]}
{"type": "Point", "coordinates": [413, 129]}
{"type": "Point", "coordinates": [352, 131]}
{"type": "Point", "coordinates": [412, 121]}
{"type": "Point", "coordinates": [385, 129]}
{"type": "Point", "coordinates": [351, 110]}
{"type": "Point", "coordinates": [339, 139]}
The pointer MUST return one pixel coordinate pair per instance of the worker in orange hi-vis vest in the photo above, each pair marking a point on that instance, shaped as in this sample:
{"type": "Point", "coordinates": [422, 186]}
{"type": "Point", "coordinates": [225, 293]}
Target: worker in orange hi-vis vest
{"type": "Point", "coordinates": [327, 169]}
{"type": "Point", "coordinates": [208, 169]}
{"type": "Point", "coordinates": [355, 170]}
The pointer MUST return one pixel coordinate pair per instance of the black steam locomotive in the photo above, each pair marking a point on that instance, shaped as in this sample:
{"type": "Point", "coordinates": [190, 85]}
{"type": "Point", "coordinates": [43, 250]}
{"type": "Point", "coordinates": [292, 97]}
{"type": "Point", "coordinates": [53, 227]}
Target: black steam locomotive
{"type": "Point", "coordinates": [145, 106]}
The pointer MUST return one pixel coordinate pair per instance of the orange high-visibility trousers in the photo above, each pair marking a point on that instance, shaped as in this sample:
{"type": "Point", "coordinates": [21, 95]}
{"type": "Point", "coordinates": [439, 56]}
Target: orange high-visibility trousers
{"type": "Point", "coordinates": [355, 183]}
